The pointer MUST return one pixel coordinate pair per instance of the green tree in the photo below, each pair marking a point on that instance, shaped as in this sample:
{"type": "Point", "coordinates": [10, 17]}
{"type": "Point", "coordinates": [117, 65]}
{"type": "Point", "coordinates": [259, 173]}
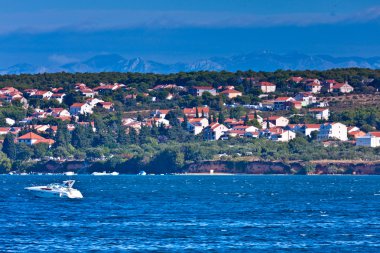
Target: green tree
{"type": "Point", "coordinates": [9, 146]}
{"type": "Point", "coordinates": [24, 152]}
{"type": "Point", "coordinates": [5, 163]}
{"type": "Point", "coordinates": [40, 150]}
{"type": "Point", "coordinates": [221, 118]}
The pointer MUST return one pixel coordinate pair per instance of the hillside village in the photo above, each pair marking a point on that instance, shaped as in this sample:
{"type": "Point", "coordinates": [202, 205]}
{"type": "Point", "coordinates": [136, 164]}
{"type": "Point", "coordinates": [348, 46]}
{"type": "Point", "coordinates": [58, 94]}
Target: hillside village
{"type": "Point", "coordinates": [197, 120]}
{"type": "Point", "coordinates": [268, 114]}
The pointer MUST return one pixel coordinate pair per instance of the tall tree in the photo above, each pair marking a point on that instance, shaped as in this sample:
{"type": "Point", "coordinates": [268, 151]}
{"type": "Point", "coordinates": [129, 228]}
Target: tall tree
{"type": "Point", "coordinates": [62, 137]}
{"type": "Point", "coordinates": [221, 118]}
{"type": "Point", "coordinates": [9, 146]}
{"type": "Point", "coordinates": [196, 112]}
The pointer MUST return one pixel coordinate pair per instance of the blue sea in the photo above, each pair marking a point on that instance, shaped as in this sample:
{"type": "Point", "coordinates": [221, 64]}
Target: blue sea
{"type": "Point", "coordinates": [193, 213]}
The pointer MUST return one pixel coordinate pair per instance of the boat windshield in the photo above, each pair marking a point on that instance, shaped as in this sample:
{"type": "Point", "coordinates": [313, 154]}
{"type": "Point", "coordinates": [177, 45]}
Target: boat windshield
{"type": "Point", "coordinates": [68, 183]}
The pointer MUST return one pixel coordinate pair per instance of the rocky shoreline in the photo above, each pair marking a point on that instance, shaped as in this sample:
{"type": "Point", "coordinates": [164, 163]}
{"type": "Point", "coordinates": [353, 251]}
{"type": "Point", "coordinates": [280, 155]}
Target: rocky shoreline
{"type": "Point", "coordinates": [217, 167]}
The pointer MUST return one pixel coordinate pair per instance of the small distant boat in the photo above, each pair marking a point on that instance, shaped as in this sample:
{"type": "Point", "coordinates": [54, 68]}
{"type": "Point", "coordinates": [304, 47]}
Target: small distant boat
{"type": "Point", "coordinates": [105, 173]}
{"type": "Point", "coordinates": [69, 173]}
{"type": "Point", "coordinates": [142, 173]}
{"type": "Point", "coordinates": [64, 190]}
{"type": "Point", "coordinates": [24, 174]}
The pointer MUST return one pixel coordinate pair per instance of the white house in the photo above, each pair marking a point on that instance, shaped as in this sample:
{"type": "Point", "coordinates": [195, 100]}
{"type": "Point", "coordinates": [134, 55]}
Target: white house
{"type": "Point", "coordinates": [159, 113]}
{"type": "Point", "coordinates": [58, 97]}
{"type": "Point", "coordinates": [342, 87]}
{"type": "Point", "coordinates": [80, 108]}
{"type": "Point", "coordinates": [371, 139]}
{"type": "Point", "coordinates": [278, 134]}
{"type": "Point", "coordinates": [196, 125]}
{"type": "Point", "coordinates": [267, 87]}
{"type": "Point", "coordinates": [314, 87]}
{"type": "Point", "coordinates": [307, 129]}
{"type": "Point", "coordinates": [283, 103]}
{"type": "Point", "coordinates": [278, 121]}
{"type": "Point", "coordinates": [306, 98]}
{"type": "Point", "coordinates": [320, 113]}
{"type": "Point", "coordinates": [214, 131]}
{"type": "Point", "coordinates": [332, 131]}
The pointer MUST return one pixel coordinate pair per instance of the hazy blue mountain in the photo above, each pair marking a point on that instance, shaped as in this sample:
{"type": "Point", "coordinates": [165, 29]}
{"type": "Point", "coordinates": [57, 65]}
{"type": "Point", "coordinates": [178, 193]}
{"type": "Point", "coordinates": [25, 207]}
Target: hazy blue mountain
{"type": "Point", "coordinates": [265, 61]}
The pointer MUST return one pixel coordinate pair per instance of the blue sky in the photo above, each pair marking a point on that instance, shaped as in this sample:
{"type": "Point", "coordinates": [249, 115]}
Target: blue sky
{"type": "Point", "coordinates": [58, 32]}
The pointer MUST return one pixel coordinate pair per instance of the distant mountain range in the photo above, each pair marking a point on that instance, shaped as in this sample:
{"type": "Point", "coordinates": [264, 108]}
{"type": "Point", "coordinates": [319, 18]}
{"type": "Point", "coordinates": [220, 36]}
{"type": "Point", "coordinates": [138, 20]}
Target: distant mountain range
{"type": "Point", "coordinates": [255, 61]}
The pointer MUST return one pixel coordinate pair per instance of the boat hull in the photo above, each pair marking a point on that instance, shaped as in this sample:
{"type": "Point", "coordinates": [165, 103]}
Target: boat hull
{"type": "Point", "coordinates": [42, 193]}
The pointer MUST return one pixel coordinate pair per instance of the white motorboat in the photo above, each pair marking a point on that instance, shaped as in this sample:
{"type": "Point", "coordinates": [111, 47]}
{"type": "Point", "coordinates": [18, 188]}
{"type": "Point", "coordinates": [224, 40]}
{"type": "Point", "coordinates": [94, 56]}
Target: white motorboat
{"type": "Point", "coordinates": [105, 173]}
{"type": "Point", "coordinates": [142, 173]}
{"type": "Point", "coordinates": [69, 173]}
{"type": "Point", "coordinates": [64, 190]}
{"type": "Point", "coordinates": [99, 173]}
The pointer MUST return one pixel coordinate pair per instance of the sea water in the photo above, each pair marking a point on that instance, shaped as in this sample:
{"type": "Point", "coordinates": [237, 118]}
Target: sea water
{"type": "Point", "coordinates": [193, 213]}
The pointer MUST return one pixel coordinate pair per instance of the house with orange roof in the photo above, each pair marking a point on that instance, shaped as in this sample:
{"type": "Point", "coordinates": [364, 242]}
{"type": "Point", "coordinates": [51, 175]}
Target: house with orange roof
{"type": "Point", "coordinates": [320, 113]}
{"type": "Point", "coordinates": [159, 113]}
{"type": "Point", "coordinates": [106, 105]}
{"type": "Point", "coordinates": [80, 108]}
{"type": "Point", "coordinates": [283, 103]}
{"type": "Point", "coordinates": [42, 94]}
{"type": "Point", "coordinates": [306, 98]}
{"type": "Point", "coordinates": [342, 88]}
{"type": "Point", "coordinates": [4, 130]}
{"type": "Point", "coordinates": [314, 87]}
{"type": "Point", "coordinates": [32, 139]}
{"type": "Point", "coordinates": [295, 79]}
{"type": "Point", "coordinates": [196, 125]}
{"type": "Point", "coordinates": [267, 87]}
{"type": "Point", "coordinates": [214, 131]}
{"type": "Point", "coordinates": [307, 129]}
{"type": "Point", "coordinates": [371, 139]}
{"type": "Point", "coordinates": [231, 93]}
{"type": "Point", "coordinates": [58, 112]}
{"type": "Point", "coordinates": [356, 134]}
{"type": "Point", "coordinates": [58, 97]}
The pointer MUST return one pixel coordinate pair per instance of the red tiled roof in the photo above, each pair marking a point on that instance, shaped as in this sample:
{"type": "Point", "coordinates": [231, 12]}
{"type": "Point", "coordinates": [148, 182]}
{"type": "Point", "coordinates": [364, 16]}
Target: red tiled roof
{"type": "Point", "coordinates": [312, 125]}
{"type": "Point", "coordinates": [193, 110]}
{"type": "Point", "coordinates": [266, 84]}
{"type": "Point", "coordinates": [282, 99]}
{"type": "Point", "coordinates": [317, 109]}
{"type": "Point", "coordinates": [376, 134]}
{"type": "Point", "coordinates": [77, 105]}
{"type": "Point", "coordinates": [230, 91]}
{"type": "Point", "coordinates": [30, 135]}
{"type": "Point", "coordinates": [203, 87]}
